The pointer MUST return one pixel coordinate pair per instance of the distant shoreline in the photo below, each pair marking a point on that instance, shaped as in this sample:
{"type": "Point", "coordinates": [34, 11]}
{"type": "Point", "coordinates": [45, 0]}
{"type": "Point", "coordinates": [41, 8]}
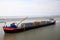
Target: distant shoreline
{"type": "Point", "coordinates": [2, 20]}
{"type": "Point", "coordinates": [15, 17]}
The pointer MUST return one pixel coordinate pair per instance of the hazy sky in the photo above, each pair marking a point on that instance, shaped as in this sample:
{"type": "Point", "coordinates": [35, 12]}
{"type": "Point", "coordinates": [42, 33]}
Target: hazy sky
{"type": "Point", "coordinates": [29, 7]}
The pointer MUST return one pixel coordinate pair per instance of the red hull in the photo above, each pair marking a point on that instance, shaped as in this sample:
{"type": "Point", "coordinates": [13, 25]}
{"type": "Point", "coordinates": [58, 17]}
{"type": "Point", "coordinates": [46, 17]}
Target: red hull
{"type": "Point", "coordinates": [9, 30]}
